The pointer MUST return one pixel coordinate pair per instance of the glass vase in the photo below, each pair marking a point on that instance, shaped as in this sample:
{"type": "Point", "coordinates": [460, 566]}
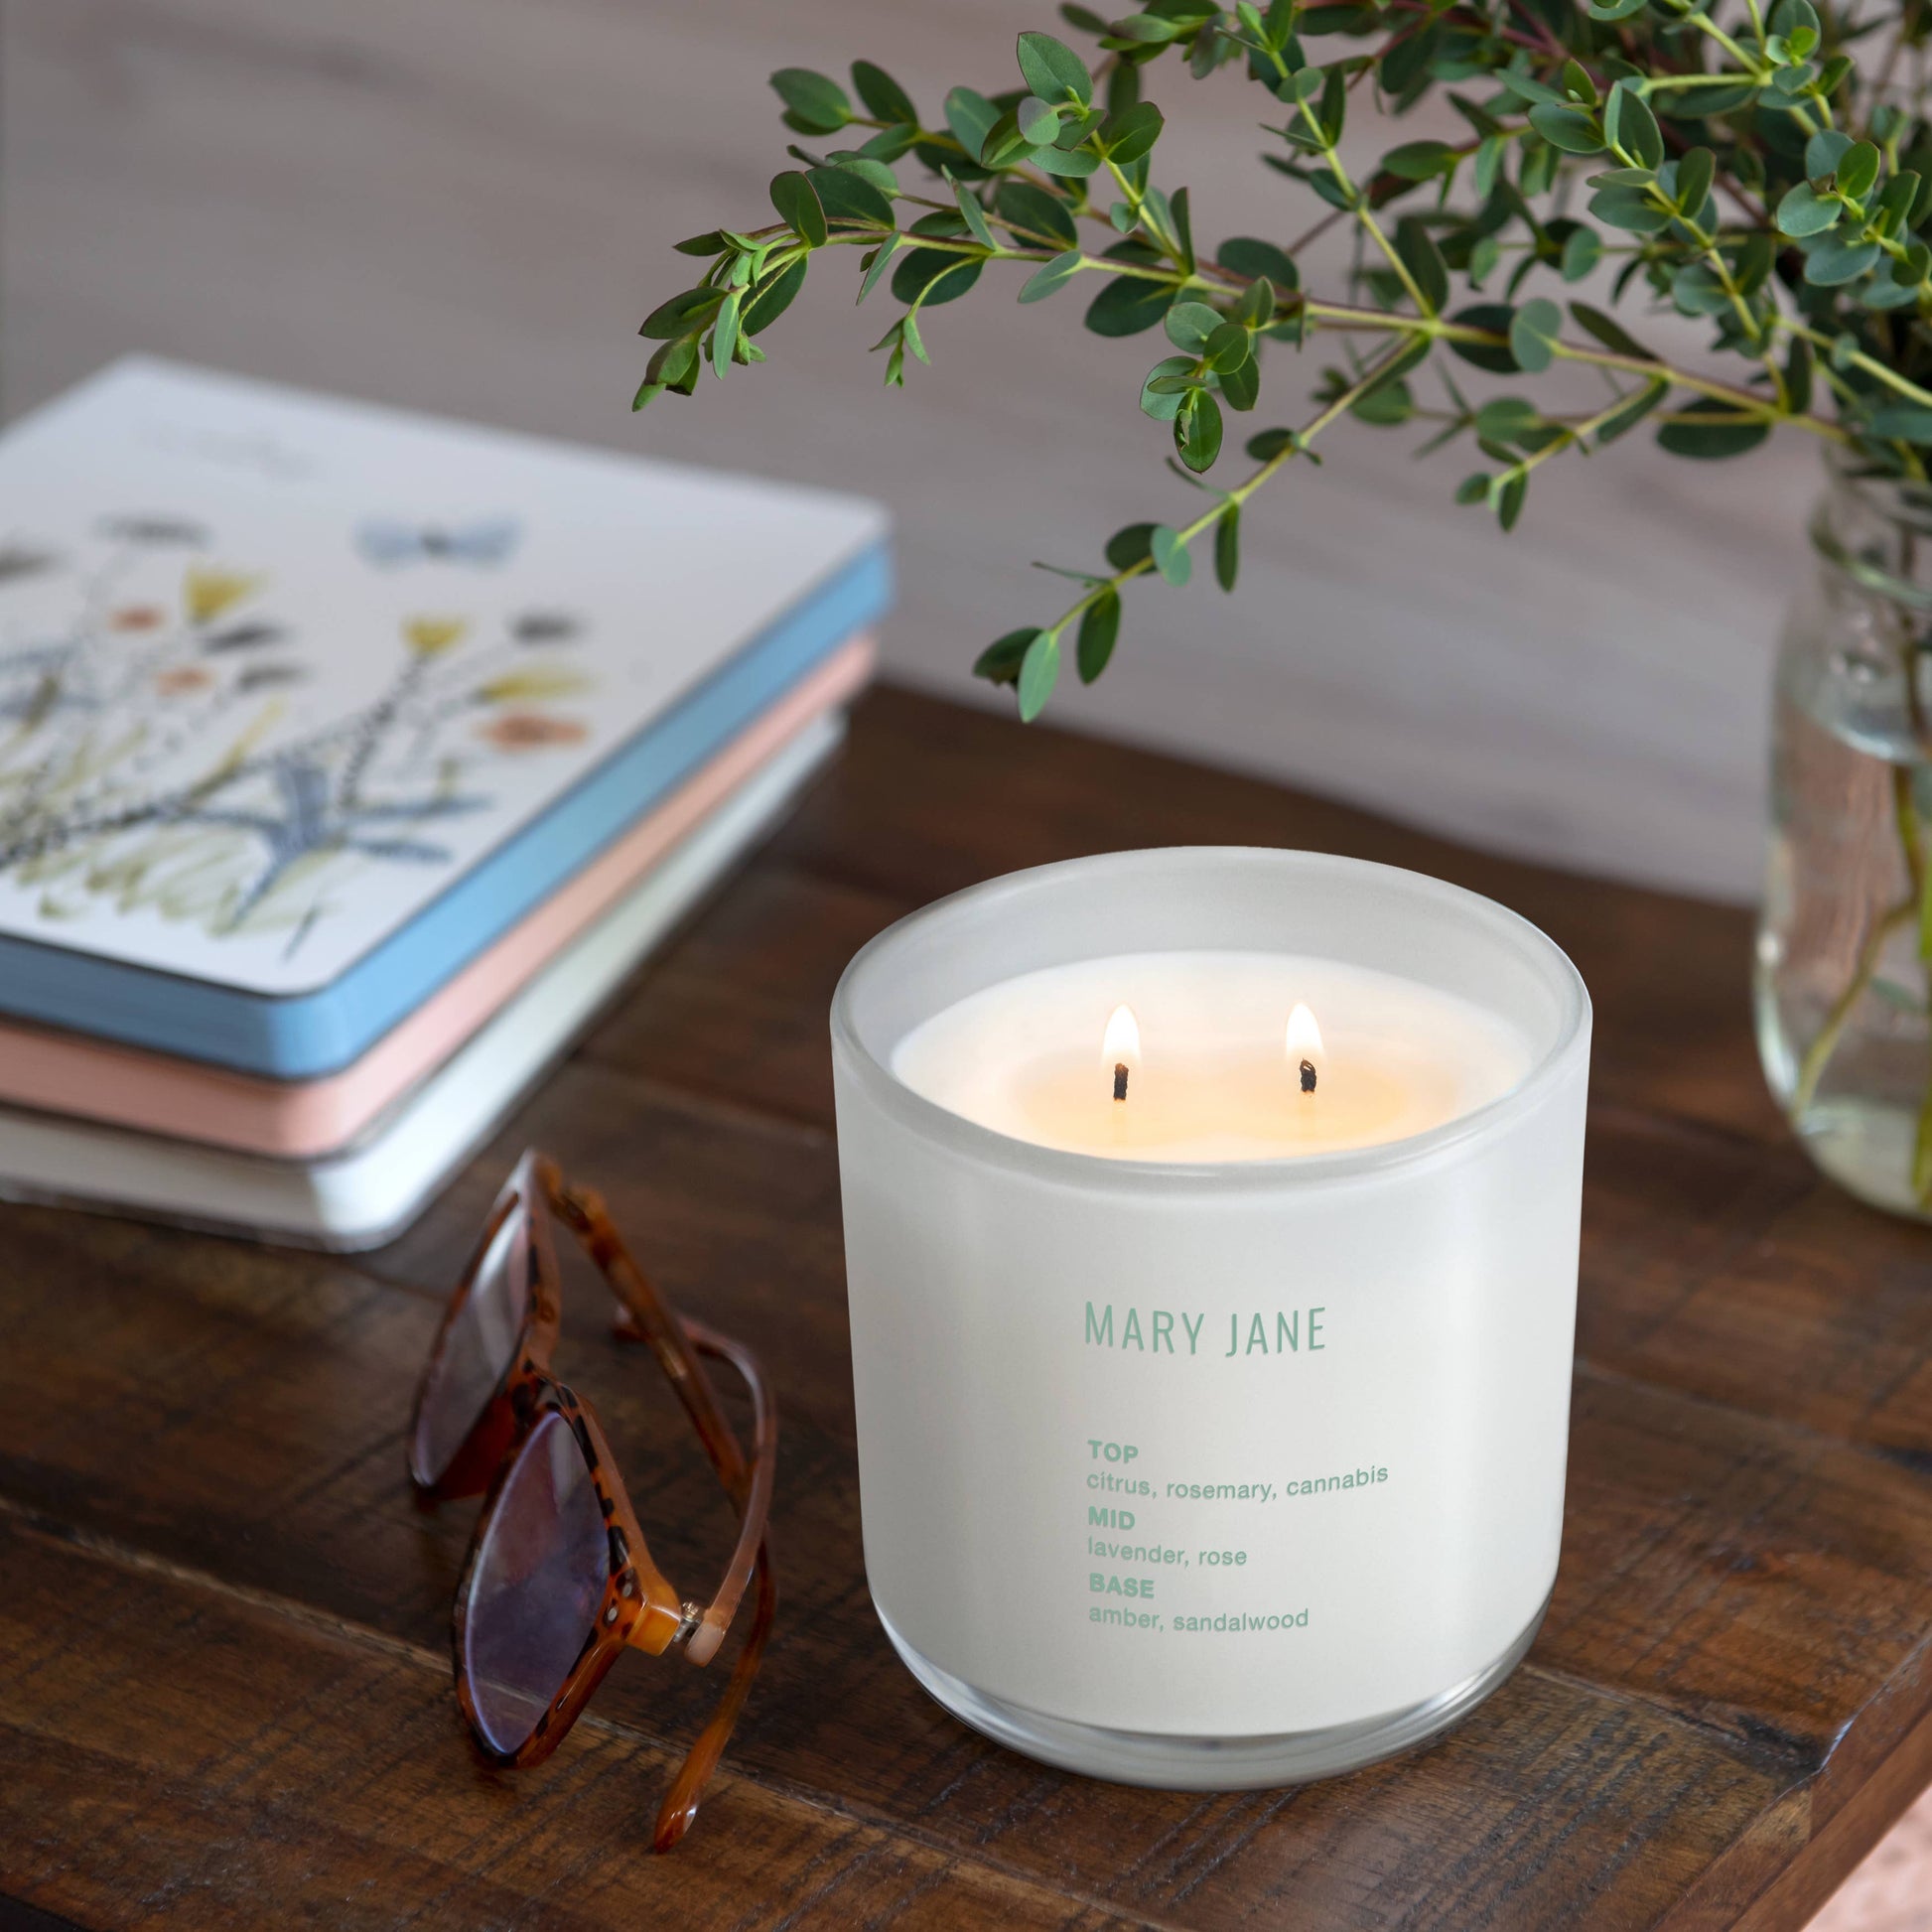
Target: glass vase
{"type": "Point", "coordinates": [1843, 966]}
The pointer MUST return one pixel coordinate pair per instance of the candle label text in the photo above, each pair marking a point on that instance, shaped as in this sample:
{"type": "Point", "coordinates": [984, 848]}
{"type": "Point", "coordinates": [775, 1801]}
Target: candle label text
{"type": "Point", "coordinates": [1281, 1331]}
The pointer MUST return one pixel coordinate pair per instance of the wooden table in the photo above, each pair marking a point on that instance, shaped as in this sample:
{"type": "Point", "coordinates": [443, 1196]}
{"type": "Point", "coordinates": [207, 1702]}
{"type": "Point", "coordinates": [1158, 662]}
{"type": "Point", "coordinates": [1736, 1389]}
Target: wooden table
{"type": "Point", "coordinates": [224, 1692]}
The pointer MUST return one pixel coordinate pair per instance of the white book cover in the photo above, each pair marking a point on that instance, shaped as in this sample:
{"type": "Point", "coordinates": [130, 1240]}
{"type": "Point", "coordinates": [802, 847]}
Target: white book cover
{"type": "Point", "coordinates": [276, 669]}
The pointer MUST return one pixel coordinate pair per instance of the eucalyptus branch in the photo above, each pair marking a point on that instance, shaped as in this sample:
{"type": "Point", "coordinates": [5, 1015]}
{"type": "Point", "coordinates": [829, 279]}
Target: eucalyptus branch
{"type": "Point", "coordinates": [1597, 135]}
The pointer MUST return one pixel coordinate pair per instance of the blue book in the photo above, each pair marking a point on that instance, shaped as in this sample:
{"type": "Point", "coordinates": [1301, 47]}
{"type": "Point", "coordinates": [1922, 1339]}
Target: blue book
{"type": "Point", "coordinates": [304, 703]}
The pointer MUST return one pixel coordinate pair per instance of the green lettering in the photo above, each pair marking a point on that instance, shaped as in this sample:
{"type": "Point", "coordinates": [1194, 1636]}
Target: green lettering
{"type": "Point", "coordinates": [1163, 1331]}
{"type": "Point", "coordinates": [1132, 1331]}
{"type": "Point", "coordinates": [1101, 1333]}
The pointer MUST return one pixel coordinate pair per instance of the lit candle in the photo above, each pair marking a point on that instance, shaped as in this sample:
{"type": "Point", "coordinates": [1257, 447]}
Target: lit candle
{"type": "Point", "coordinates": [1211, 1226]}
{"type": "Point", "coordinates": [1212, 1057]}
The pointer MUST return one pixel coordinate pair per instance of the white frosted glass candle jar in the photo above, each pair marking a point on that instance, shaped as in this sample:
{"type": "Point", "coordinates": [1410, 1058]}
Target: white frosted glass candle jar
{"type": "Point", "coordinates": [1213, 1373]}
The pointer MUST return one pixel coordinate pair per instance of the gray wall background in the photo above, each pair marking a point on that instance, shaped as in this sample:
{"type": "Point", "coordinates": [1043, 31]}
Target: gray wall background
{"type": "Point", "coordinates": [467, 205]}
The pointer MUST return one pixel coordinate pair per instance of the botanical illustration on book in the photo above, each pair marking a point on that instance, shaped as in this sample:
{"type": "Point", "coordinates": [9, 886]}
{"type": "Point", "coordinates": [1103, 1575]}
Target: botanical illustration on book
{"type": "Point", "coordinates": [153, 747]}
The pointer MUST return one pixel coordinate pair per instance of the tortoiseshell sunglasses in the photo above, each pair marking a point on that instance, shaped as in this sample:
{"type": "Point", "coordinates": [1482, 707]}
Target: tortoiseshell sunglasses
{"type": "Point", "coordinates": [558, 1578]}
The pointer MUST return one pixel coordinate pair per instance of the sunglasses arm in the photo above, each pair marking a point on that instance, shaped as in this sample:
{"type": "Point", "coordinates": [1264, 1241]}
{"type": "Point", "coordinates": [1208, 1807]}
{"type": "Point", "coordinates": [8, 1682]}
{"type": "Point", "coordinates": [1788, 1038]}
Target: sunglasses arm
{"type": "Point", "coordinates": [678, 1342]}
{"type": "Point", "coordinates": [648, 1318]}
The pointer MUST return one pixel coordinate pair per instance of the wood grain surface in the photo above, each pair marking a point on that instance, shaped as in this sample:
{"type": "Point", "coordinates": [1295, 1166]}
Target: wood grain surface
{"type": "Point", "coordinates": [468, 205]}
{"type": "Point", "coordinates": [223, 1680]}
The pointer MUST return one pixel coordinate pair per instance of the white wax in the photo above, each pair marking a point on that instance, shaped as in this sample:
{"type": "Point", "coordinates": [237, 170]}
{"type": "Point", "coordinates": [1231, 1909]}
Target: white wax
{"type": "Point", "coordinates": [1214, 1079]}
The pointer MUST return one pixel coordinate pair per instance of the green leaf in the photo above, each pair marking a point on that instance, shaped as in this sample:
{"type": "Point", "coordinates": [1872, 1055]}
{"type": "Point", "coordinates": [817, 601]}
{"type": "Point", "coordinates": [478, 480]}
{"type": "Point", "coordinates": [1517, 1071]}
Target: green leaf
{"type": "Point", "coordinates": [973, 216]}
{"type": "Point", "coordinates": [1693, 175]}
{"type": "Point", "coordinates": [971, 118]}
{"type": "Point", "coordinates": [1127, 136]}
{"type": "Point", "coordinates": [1902, 423]}
{"type": "Point", "coordinates": [1628, 208]}
{"type": "Point", "coordinates": [1531, 92]}
{"type": "Point", "coordinates": [1697, 291]}
{"type": "Point", "coordinates": [1228, 347]}
{"type": "Point", "coordinates": [1578, 85]}
{"type": "Point", "coordinates": [675, 365]}
{"type": "Point", "coordinates": [1183, 225]}
{"type": "Point", "coordinates": [1509, 501]}
{"type": "Point", "coordinates": [1857, 170]}
{"type": "Point", "coordinates": [1040, 671]}
{"type": "Point", "coordinates": [683, 315]}
{"type": "Point", "coordinates": [931, 277]}
{"type": "Point", "coordinates": [1052, 275]}
{"type": "Point", "coordinates": [1241, 385]}
{"type": "Point", "coordinates": [1583, 249]}
{"type": "Point", "coordinates": [881, 261]}
{"type": "Point", "coordinates": [1099, 630]}
{"type": "Point", "coordinates": [1037, 212]}
{"type": "Point", "coordinates": [1797, 374]}
{"type": "Point", "coordinates": [1150, 29]}
{"type": "Point", "coordinates": [797, 203]}
{"type": "Point", "coordinates": [1197, 431]}
{"type": "Point", "coordinates": [815, 104]}
{"type": "Point", "coordinates": [1633, 412]}
{"type": "Point", "coordinates": [1256, 308]}
{"type": "Point", "coordinates": [1824, 151]}
{"type": "Point", "coordinates": [1247, 256]}
{"type": "Point", "coordinates": [1711, 429]}
{"type": "Point", "coordinates": [1052, 69]}
{"type": "Point", "coordinates": [1503, 419]}
{"type": "Point", "coordinates": [1001, 661]}
{"type": "Point", "coordinates": [1191, 324]}
{"type": "Point", "coordinates": [771, 298]}
{"type": "Point", "coordinates": [1037, 123]}
{"type": "Point", "coordinates": [1072, 162]}
{"type": "Point", "coordinates": [709, 243]}
{"type": "Point", "coordinates": [1423, 261]}
{"type": "Point", "coordinates": [1607, 10]}
{"type": "Point", "coordinates": [1629, 124]}
{"type": "Point", "coordinates": [1609, 331]}
{"type": "Point", "coordinates": [1533, 331]}
{"type": "Point", "coordinates": [1227, 547]}
{"type": "Point", "coordinates": [1390, 402]}
{"type": "Point", "coordinates": [1833, 263]}
{"type": "Point", "coordinates": [1006, 143]}
{"type": "Point", "coordinates": [844, 195]}
{"type": "Point", "coordinates": [1269, 444]}
{"type": "Point", "coordinates": [1420, 160]}
{"type": "Point", "coordinates": [1473, 490]}
{"type": "Point", "coordinates": [725, 336]}
{"type": "Point", "coordinates": [1494, 318]}
{"type": "Point", "coordinates": [1567, 128]}
{"type": "Point", "coordinates": [1127, 304]}
{"type": "Point", "coordinates": [1160, 398]}
{"type": "Point", "coordinates": [1170, 554]}
{"type": "Point", "coordinates": [1130, 545]}
{"type": "Point", "coordinates": [885, 98]}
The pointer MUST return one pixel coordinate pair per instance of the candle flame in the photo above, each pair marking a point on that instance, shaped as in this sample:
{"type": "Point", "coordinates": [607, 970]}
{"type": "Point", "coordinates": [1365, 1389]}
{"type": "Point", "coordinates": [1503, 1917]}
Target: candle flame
{"type": "Point", "coordinates": [1304, 1035]}
{"type": "Point", "coordinates": [1120, 1044]}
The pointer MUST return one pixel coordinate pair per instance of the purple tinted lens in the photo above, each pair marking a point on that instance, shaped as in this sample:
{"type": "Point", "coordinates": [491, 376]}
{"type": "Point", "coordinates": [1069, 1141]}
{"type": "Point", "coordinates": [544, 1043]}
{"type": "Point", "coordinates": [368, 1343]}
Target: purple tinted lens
{"type": "Point", "coordinates": [537, 1585]}
{"type": "Point", "coordinates": [475, 1350]}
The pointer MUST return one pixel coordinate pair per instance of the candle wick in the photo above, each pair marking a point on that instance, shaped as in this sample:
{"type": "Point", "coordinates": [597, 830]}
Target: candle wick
{"type": "Point", "coordinates": [1308, 1076]}
{"type": "Point", "coordinates": [1120, 1079]}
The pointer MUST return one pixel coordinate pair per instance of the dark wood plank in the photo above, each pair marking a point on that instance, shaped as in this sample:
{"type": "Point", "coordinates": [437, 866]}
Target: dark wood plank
{"type": "Point", "coordinates": [179, 1753]}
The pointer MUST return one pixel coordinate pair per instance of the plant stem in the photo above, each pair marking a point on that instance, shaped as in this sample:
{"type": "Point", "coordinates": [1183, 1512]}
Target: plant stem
{"type": "Point", "coordinates": [1824, 1042]}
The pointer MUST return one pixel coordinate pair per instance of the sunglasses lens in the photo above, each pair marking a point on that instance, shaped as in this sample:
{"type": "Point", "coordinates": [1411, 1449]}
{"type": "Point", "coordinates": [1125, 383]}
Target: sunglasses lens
{"type": "Point", "coordinates": [475, 1350]}
{"type": "Point", "coordinates": [537, 1588]}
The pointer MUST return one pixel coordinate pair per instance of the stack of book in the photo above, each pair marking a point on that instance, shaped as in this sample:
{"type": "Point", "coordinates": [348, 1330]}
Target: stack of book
{"type": "Point", "coordinates": [348, 763]}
